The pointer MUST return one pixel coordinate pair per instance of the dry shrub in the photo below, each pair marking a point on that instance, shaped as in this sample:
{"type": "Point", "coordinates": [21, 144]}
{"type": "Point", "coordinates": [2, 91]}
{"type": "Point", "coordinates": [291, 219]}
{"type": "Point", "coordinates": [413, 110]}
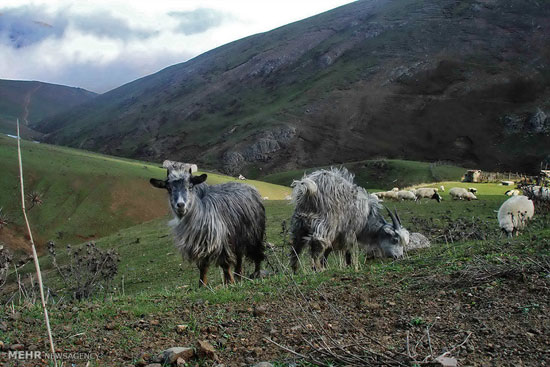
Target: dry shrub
{"type": "Point", "coordinates": [4, 220]}
{"type": "Point", "coordinates": [5, 260]}
{"type": "Point", "coordinates": [456, 230]}
{"type": "Point", "coordinates": [89, 269]}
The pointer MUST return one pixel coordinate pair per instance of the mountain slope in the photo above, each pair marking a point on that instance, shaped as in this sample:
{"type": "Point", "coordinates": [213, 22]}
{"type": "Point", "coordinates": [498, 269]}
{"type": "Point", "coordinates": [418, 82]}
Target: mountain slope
{"type": "Point", "coordinates": [32, 101]}
{"type": "Point", "coordinates": [462, 81]}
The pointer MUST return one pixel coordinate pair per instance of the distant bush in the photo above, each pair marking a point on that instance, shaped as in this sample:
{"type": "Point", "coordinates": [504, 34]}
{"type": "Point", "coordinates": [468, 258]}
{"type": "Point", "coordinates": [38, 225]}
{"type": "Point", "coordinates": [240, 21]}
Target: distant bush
{"type": "Point", "coordinates": [5, 261]}
{"type": "Point", "coordinates": [88, 271]}
{"type": "Point", "coordinates": [4, 220]}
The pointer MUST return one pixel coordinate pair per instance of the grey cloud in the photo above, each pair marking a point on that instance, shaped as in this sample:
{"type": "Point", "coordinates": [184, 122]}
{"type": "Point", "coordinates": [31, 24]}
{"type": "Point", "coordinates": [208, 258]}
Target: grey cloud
{"type": "Point", "coordinates": [199, 20]}
{"type": "Point", "coordinates": [103, 24]}
{"type": "Point", "coordinates": [27, 25]}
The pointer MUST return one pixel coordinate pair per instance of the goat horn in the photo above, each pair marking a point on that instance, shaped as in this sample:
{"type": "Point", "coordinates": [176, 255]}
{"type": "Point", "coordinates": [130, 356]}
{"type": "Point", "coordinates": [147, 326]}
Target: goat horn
{"type": "Point", "coordinates": [397, 216]}
{"type": "Point", "coordinates": [393, 218]}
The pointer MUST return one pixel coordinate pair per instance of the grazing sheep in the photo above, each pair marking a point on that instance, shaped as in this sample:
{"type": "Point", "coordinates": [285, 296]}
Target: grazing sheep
{"type": "Point", "coordinates": [514, 214]}
{"type": "Point", "coordinates": [473, 190]}
{"type": "Point", "coordinates": [241, 177]}
{"type": "Point", "coordinates": [442, 188]}
{"type": "Point", "coordinates": [428, 192]}
{"type": "Point", "coordinates": [332, 213]}
{"type": "Point", "coordinates": [387, 195]}
{"type": "Point", "coordinates": [512, 192]}
{"type": "Point", "coordinates": [459, 193]}
{"type": "Point", "coordinates": [220, 223]}
{"type": "Point", "coordinates": [406, 195]}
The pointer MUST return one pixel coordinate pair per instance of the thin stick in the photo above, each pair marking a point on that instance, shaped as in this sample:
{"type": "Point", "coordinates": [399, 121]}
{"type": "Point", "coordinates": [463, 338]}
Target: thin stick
{"type": "Point", "coordinates": [34, 254]}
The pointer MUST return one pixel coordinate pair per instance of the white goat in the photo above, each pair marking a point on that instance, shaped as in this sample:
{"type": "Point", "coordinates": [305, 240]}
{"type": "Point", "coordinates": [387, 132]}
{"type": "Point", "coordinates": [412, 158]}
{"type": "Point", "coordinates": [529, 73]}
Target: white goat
{"type": "Point", "coordinates": [514, 214]}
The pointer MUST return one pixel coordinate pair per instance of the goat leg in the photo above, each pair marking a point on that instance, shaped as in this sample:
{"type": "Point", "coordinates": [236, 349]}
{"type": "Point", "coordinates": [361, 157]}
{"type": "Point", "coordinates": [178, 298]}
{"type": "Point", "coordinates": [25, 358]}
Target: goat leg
{"type": "Point", "coordinates": [239, 267]}
{"type": "Point", "coordinates": [203, 269]}
{"type": "Point", "coordinates": [227, 274]}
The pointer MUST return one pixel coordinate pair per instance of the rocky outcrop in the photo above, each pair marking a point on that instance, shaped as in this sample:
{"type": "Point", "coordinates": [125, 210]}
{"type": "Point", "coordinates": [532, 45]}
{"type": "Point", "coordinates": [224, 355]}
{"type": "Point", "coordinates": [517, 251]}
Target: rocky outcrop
{"type": "Point", "coordinates": [537, 122]}
{"type": "Point", "coordinates": [265, 145]}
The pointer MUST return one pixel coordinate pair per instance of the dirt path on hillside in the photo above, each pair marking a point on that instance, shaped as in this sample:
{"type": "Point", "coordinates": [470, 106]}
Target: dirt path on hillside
{"type": "Point", "coordinates": [27, 103]}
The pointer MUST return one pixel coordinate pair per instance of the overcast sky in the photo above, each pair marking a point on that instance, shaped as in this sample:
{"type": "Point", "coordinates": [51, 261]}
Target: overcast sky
{"type": "Point", "coordinates": [101, 44]}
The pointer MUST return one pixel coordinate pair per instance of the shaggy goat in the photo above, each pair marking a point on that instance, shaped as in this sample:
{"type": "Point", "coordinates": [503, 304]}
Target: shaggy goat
{"type": "Point", "coordinates": [220, 223]}
{"type": "Point", "coordinates": [514, 214]}
{"type": "Point", "coordinates": [332, 213]}
{"type": "Point", "coordinates": [428, 192]}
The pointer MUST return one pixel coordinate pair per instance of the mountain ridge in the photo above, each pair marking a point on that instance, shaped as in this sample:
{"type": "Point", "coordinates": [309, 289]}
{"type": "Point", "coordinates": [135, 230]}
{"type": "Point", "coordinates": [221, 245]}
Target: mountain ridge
{"type": "Point", "coordinates": [460, 81]}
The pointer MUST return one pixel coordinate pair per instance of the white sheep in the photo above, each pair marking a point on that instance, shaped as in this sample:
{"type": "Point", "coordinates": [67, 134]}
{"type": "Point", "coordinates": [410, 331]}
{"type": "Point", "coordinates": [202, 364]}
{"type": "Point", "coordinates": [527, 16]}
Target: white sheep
{"type": "Point", "coordinates": [427, 192]}
{"type": "Point", "coordinates": [512, 193]}
{"type": "Point", "coordinates": [460, 193]}
{"type": "Point", "coordinates": [470, 196]}
{"type": "Point", "coordinates": [406, 195]}
{"type": "Point", "coordinates": [386, 195]}
{"type": "Point", "coordinates": [514, 214]}
{"type": "Point", "coordinates": [442, 188]}
{"type": "Point", "coordinates": [395, 189]}
{"type": "Point", "coordinates": [473, 190]}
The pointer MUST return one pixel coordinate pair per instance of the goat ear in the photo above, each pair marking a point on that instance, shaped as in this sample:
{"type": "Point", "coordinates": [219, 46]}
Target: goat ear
{"type": "Point", "coordinates": [195, 180]}
{"type": "Point", "coordinates": [158, 183]}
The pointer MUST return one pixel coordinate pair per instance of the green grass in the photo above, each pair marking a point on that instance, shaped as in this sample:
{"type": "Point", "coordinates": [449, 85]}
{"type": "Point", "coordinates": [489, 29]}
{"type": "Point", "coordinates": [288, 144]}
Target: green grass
{"type": "Point", "coordinates": [85, 195]}
{"type": "Point", "coordinates": [382, 174]}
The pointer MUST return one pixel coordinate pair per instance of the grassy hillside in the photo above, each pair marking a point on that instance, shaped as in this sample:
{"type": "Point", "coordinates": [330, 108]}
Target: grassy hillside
{"type": "Point", "coordinates": [422, 80]}
{"type": "Point", "coordinates": [473, 287]}
{"type": "Point", "coordinates": [85, 195]}
{"type": "Point", "coordinates": [382, 174]}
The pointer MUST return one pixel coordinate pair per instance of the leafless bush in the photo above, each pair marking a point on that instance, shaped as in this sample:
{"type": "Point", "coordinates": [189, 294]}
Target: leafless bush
{"type": "Point", "coordinates": [5, 261]}
{"type": "Point", "coordinates": [4, 220]}
{"type": "Point", "coordinates": [89, 269]}
{"type": "Point", "coordinates": [35, 199]}
{"type": "Point", "coordinates": [455, 230]}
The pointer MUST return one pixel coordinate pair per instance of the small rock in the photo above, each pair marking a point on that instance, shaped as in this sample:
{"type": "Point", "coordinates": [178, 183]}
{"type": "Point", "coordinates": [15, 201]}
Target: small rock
{"type": "Point", "coordinates": [180, 329]}
{"type": "Point", "coordinates": [2, 346]}
{"type": "Point", "coordinates": [171, 355]}
{"type": "Point", "coordinates": [154, 322]}
{"type": "Point", "coordinates": [257, 351]}
{"type": "Point", "coordinates": [259, 311]}
{"type": "Point", "coordinates": [263, 364]}
{"type": "Point", "coordinates": [17, 347]}
{"type": "Point", "coordinates": [206, 350]}
{"type": "Point", "coordinates": [110, 326]}
{"type": "Point", "coordinates": [180, 362]}
{"type": "Point", "coordinates": [447, 361]}
{"type": "Point", "coordinates": [154, 365]}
